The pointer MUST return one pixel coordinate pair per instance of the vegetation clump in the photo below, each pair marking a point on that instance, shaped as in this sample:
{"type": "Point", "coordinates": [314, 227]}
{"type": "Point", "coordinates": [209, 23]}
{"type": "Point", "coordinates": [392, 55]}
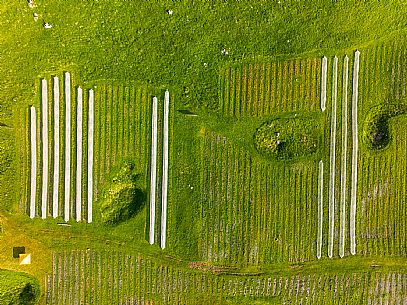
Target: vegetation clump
{"type": "Point", "coordinates": [18, 288]}
{"type": "Point", "coordinates": [286, 138]}
{"type": "Point", "coordinates": [376, 126]}
{"type": "Point", "coordinates": [123, 198]}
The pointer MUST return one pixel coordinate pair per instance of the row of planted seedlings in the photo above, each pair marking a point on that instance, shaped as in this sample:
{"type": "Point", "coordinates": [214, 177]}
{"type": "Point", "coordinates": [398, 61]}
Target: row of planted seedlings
{"type": "Point", "coordinates": [263, 89]}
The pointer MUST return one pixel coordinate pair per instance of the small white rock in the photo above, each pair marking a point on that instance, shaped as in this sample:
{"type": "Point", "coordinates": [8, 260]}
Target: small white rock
{"type": "Point", "coordinates": [47, 25]}
{"type": "Point", "coordinates": [205, 64]}
{"type": "Point", "coordinates": [35, 15]}
{"type": "Point", "coordinates": [169, 12]}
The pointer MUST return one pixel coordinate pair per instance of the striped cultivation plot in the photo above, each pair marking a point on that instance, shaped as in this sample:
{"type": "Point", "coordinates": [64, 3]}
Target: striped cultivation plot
{"type": "Point", "coordinates": [90, 277]}
{"type": "Point", "coordinates": [246, 217]}
{"type": "Point", "coordinates": [57, 192]}
{"type": "Point", "coordinates": [264, 89]}
{"type": "Point", "coordinates": [159, 186]}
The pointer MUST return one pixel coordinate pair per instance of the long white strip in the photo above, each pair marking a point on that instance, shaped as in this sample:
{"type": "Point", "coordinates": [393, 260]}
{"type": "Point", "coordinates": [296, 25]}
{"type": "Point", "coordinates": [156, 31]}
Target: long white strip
{"type": "Point", "coordinates": [78, 188]}
{"type": "Point", "coordinates": [355, 145]}
{"type": "Point", "coordinates": [67, 145]}
{"type": "Point", "coordinates": [332, 158]}
{"type": "Point", "coordinates": [44, 114]}
{"type": "Point", "coordinates": [91, 124]}
{"type": "Point", "coordinates": [56, 149]}
{"type": "Point", "coordinates": [165, 171]}
{"type": "Point", "coordinates": [323, 82]}
{"type": "Point", "coordinates": [153, 169]}
{"type": "Point", "coordinates": [33, 142]}
{"type": "Point", "coordinates": [344, 156]}
{"type": "Point", "coordinates": [320, 207]}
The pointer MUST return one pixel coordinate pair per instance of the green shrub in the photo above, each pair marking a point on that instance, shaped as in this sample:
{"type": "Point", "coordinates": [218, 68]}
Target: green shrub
{"type": "Point", "coordinates": [376, 125]}
{"type": "Point", "coordinates": [17, 288]}
{"type": "Point", "coordinates": [287, 138]}
{"type": "Point", "coordinates": [123, 198]}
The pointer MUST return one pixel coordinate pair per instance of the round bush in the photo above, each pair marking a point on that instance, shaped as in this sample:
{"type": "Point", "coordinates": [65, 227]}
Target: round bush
{"type": "Point", "coordinates": [376, 125]}
{"type": "Point", "coordinates": [17, 288]}
{"type": "Point", "coordinates": [287, 138]}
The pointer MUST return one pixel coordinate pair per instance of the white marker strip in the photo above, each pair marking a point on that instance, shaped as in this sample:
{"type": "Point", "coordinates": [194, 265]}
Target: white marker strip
{"type": "Point", "coordinates": [44, 114]}
{"type": "Point", "coordinates": [320, 207]}
{"type": "Point", "coordinates": [67, 145]}
{"type": "Point", "coordinates": [91, 124]}
{"type": "Point", "coordinates": [342, 229]}
{"type": "Point", "coordinates": [332, 158]}
{"type": "Point", "coordinates": [78, 188]}
{"type": "Point", "coordinates": [355, 144]}
{"type": "Point", "coordinates": [323, 82]}
{"type": "Point", "coordinates": [153, 169]}
{"type": "Point", "coordinates": [56, 149]}
{"type": "Point", "coordinates": [165, 171]}
{"type": "Point", "coordinates": [33, 142]}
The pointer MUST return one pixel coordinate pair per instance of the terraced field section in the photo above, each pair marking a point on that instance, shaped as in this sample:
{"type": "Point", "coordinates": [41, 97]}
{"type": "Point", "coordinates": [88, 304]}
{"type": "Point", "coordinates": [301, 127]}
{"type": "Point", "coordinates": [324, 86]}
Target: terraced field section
{"type": "Point", "coordinates": [264, 89]}
{"type": "Point", "coordinates": [89, 277]}
{"type": "Point", "coordinates": [255, 212]}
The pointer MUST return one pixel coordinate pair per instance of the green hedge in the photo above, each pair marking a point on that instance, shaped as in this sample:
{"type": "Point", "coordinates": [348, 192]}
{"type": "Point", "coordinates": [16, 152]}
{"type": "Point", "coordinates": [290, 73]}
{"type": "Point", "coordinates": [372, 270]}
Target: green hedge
{"type": "Point", "coordinates": [376, 125]}
{"type": "Point", "coordinates": [17, 288]}
{"type": "Point", "coordinates": [287, 138]}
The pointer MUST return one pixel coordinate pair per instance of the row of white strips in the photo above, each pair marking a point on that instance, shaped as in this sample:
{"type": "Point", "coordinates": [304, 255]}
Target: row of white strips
{"type": "Point", "coordinates": [331, 205]}
{"type": "Point", "coordinates": [45, 158]}
{"type": "Point", "coordinates": [153, 175]}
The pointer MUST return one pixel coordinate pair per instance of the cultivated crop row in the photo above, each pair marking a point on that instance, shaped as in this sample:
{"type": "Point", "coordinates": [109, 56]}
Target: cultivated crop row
{"type": "Point", "coordinates": [89, 277]}
{"type": "Point", "coordinates": [254, 212]}
{"type": "Point", "coordinates": [264, 89]}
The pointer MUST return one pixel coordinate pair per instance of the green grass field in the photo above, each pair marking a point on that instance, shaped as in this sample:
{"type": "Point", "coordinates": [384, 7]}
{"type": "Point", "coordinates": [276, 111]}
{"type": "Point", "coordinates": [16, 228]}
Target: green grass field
{"type": "Point", "coordinates": [242, 228]}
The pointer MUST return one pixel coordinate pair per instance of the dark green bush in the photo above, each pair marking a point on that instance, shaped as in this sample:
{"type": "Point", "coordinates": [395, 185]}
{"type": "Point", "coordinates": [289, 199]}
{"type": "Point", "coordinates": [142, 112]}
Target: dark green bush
{"type": "Point", "coordinates": [123, 198]}
{"type": "Point", "coordinates": [17, 288]}
{"type": "Point", "coordinates": [376, 125]}
{"type": "Point", "coordinates": [287, 138]}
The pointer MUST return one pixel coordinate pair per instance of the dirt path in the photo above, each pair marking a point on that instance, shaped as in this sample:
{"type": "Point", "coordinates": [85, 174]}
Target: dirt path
{"type": "Point", "coordinates": [67, 145]}
{"type": "Point", "coordinates": [44, 115]}
{"type": "Point", "coordinates": [332, 158]}
{"type": "Point", "coordinates": [153, 169]}
{"type": "Point", "coordinates": [33, 142]}
{"type": "Point", "coordinates": [165, 171]}
{"type": "Point", "coordinates": [79, 126]}
{"type": "Point", "coordinates": [56, 149]}
{"type": "Point", "coordinates": [355, 146]}
{"type": "Point", "coordinates": [320, 207]}
{"type": "Point", "coordinates": [323, 82]}
{"type": "Point", "coordinates": [91, 128]}
{"type": "Point", "coordinates": [342, 230]}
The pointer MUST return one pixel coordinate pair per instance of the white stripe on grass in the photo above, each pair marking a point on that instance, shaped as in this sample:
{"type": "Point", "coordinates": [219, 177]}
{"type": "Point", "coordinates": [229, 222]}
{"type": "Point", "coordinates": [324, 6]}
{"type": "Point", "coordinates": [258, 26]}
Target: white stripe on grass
{"type": "Point", "coordinates": [44, 114]}
{"type": "Point", "coordinates": [78, 188]}
{"type": "Point", "coordinates": [332, 158]}
{"type": "Point", "coordinates": [165, 171]}
{"type": "Point", "coordinates": [354, 153]}
{"type": "Point", "coordinates": [323, 82]}
{"type": "Point", "coordinates": [320, 207]}
{"type": "Point", "coordinates": [153, 169]}
{"type": "Point", "coordinates": [33, 142]}
{"type": "Point", "coordinates": [91, 123]}
{"type": "Point", "coordinates": [56, 149]}
{"type": "Point", "coordinates": [67, 145]}
{"type": "Point", "coordinates": [342, 229]}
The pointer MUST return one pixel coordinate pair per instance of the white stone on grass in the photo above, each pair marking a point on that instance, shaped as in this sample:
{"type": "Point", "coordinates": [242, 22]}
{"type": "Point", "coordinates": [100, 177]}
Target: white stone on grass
{"type": "Point", "coordinates": [55, 186]}
{"type": "Point", "coordinates": [67, 145]}
{"type": "Point", "coordinates": [165, 170]}
{"type": "Point", "coordinates": [79, 125]}
{"type": "Point", "coordinates": [33, 144]}
{"type": "Point", "coordinates": [332, 163]}
{"type": "Point", "coordinates": [91, 124]}
{"type": "Point", "coordinates": [45, 169]}
{"type": "Point", "coordinates": [355, 146]}
{"type": "Point", "coordinates": [342, 229]}
{"type": "Point", "coordinates": [153, 174]}
{"type": "Point", "coordinates": [47, 26]}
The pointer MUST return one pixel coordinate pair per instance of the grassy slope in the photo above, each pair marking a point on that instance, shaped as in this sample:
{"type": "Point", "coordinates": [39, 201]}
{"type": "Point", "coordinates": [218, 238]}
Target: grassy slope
{"type": "Point", "coordinates": [105, 41]}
